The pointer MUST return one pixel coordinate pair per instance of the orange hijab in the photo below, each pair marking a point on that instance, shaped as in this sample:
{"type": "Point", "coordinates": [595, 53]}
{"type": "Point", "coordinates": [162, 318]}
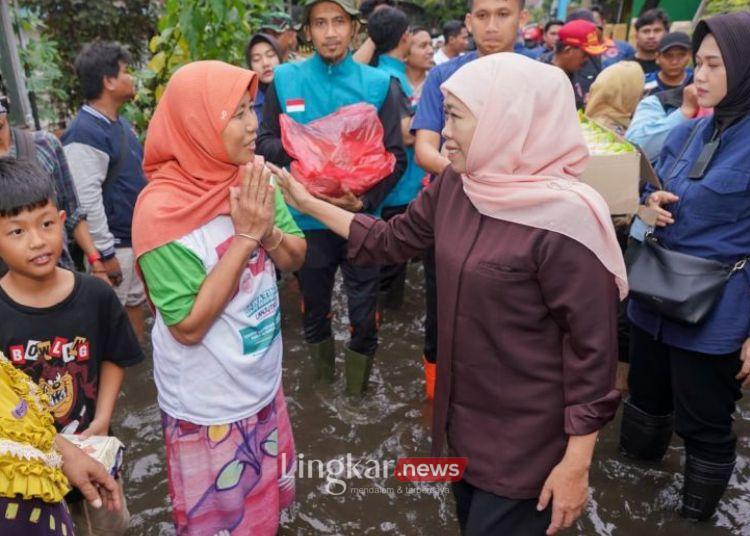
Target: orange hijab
{"type": "Point", "coordinates": [185, 162]}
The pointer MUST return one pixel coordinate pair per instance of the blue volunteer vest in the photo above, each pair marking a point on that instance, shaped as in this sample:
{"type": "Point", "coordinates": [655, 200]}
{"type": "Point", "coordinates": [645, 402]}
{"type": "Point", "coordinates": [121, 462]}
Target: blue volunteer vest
{"type": "Point", "coordinates": [311, 89]}
{"type": "Point", "coordinates": [410, 182]}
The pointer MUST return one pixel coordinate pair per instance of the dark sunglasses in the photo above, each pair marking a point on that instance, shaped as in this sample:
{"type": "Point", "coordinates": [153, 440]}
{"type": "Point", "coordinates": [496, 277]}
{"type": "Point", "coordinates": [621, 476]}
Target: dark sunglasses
{"type": "Point", "coordinates": [4, 105]}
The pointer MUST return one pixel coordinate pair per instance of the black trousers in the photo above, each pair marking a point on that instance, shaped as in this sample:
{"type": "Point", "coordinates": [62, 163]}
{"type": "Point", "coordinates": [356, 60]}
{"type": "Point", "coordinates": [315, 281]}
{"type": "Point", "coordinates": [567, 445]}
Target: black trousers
{"type": "Point", "coordinates": [326, 252]}
{"type": "Point", "coordinates": [628, 246]}
{"type": "Point", "coordinates": [700, 389]}
{"type": "Point", "coordinates": [481, 513]}
{"type": "Point", "coordinates": [430, 298]}
{"type": "Point", "coordinates": [392, 274]}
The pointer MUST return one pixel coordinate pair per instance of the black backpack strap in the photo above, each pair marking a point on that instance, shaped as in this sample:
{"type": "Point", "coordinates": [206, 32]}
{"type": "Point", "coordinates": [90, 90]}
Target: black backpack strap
{"type": "Point", "coordinates": [671, 99]}
{"type": "Point", "coordinates": [25, 146]}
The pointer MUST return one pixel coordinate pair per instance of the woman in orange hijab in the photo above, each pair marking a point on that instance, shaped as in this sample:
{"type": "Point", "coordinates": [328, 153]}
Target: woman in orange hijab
{"type": "Point", "coordinates": [209, 231]}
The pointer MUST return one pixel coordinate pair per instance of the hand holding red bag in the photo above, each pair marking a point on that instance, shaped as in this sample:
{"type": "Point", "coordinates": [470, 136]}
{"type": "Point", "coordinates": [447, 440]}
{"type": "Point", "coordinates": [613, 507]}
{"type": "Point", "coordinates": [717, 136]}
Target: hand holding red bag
{"type": "Point", "coordinates": [342, 149]}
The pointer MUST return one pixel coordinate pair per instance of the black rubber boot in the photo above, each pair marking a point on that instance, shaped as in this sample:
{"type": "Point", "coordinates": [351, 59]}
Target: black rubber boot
{"type": "Point", "coordinates": [643, 436]}
{"type": "Point", "coordinates": [323, 354]}
{"type": "Point", "coordinates": [394, 296]}
{"type": "Point", "coordinates": [358, 367]}
{"type": "Point", "coordinates": [705, 483]}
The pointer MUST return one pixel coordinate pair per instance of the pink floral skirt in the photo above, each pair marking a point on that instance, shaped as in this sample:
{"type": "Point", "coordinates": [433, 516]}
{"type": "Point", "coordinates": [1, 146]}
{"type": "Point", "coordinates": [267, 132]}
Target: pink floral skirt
{"type": "Point", "coordinates": [230, 479]}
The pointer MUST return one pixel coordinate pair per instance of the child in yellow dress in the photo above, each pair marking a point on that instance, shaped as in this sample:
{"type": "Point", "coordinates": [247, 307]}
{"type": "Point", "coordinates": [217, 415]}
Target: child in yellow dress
{"type": "Point", "coordinates": [36, 466]}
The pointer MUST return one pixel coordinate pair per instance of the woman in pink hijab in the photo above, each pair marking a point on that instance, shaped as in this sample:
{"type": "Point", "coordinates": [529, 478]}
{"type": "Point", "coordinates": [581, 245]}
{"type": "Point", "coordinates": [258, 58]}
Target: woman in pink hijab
{"type": "Point", "coordinates": [529, 274]}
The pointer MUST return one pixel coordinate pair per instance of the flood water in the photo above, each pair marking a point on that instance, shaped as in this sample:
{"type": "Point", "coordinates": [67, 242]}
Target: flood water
{"type": "Point", "coordinates": [393, 421]}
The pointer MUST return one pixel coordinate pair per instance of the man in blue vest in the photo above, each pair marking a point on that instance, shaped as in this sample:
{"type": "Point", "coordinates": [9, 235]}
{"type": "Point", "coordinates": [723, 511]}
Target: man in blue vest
{"type": "Point", "coordinates": [106, 162]}
{"type": "Point", "coordinates": [307, 91]}
{"type": "Point", "coordinates": [388, 27]}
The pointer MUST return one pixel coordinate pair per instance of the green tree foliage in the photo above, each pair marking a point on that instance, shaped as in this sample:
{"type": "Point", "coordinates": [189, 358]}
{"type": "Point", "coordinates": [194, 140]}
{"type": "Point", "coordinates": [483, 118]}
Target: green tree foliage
{"type": "Point", "coordinates": [41, 62]}
{"type": "Point", "coordinates": [190, 30]}
{"type": "Point", "coordinates": [72, 23]}
{"type": "Point", "coordinates": [715, 7]}
{"type": "Point", "coordinates": [438, 12]}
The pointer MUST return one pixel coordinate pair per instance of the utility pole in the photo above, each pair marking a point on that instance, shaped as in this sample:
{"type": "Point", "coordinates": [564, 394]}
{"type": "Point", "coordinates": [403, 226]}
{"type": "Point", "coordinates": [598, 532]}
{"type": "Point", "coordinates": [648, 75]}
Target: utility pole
{"type": "Point", "coordinates": [10, 66]}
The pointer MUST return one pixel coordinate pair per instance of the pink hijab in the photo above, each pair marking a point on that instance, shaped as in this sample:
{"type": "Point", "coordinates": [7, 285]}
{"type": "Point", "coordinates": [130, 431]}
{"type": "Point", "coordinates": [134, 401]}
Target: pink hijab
{"type": "Point", "coordinates": [528, 151]}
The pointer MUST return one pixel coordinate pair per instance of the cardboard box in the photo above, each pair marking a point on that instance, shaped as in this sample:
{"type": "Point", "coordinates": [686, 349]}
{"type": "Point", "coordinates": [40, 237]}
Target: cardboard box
{"type": "Point", "coordinates": [616, 177]}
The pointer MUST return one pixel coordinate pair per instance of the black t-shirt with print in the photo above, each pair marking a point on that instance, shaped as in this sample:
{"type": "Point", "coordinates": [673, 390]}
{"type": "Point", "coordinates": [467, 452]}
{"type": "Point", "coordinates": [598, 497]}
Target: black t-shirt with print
{"type": "Point", "coordinates": [61, 347]}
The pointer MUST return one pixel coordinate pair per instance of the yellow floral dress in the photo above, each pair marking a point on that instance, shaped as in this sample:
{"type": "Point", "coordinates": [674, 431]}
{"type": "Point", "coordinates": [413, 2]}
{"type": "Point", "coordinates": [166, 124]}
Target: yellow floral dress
{"type": "Point", "coordinates": [31, 476]}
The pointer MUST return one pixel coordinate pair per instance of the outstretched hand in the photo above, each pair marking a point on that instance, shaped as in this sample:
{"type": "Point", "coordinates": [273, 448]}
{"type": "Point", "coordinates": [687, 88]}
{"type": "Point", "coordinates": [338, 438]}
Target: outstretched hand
{"type": "Point", "coordinates": [295, 194]}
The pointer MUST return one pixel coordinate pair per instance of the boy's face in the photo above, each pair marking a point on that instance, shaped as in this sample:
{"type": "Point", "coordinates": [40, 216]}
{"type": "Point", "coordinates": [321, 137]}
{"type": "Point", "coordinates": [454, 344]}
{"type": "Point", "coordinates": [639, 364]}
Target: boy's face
{"type": "Point", "coordinates": [31, 242]}
{"type": "Point", "coordinates": [673, 61]}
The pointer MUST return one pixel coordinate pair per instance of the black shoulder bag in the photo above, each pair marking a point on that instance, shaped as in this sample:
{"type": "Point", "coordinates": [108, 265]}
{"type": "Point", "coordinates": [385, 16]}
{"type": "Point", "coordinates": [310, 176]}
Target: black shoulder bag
{"type": "Point", "coordinates": [681, 287]}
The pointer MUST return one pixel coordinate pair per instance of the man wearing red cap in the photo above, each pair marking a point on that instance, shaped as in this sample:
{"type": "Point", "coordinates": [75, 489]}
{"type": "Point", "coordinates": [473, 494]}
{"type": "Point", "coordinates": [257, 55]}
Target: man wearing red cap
{"type": "Point", "coordinates": [578, 41]}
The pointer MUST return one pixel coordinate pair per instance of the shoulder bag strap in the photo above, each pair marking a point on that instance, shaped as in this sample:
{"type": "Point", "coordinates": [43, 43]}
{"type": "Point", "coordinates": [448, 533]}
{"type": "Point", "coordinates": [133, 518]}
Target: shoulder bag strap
{"type": "Point", "coordinates": [25, 146]}
{"type": "Point", "coordinates": [690, 139]}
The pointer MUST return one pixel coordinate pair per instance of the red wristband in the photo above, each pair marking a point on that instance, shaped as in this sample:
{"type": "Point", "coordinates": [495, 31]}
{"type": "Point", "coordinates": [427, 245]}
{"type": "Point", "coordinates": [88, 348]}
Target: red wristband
{"type": "Point", "coordinates": [94, 257]}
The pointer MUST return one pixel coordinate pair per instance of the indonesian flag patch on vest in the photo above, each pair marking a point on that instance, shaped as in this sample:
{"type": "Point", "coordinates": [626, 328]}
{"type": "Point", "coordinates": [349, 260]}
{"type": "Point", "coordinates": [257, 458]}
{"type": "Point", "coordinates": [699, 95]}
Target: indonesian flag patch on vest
{"type": "Point", "coordinates": [295, 106]}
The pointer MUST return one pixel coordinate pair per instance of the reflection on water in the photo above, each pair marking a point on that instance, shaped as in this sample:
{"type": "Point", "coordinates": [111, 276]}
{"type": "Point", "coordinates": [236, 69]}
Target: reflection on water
{"type": "Point", "coordinates": [393, 421]}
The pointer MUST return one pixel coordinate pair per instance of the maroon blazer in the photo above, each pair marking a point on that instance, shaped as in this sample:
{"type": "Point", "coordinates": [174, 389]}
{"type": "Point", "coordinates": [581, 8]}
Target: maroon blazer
{"type": "Point", "coordinates": [527, 334]}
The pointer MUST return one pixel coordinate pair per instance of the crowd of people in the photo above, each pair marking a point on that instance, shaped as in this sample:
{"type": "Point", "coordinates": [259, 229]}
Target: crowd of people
{"type": "Point", "coordinates": [534, 326]}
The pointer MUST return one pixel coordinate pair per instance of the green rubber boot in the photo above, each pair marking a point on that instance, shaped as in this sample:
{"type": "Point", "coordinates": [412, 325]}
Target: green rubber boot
{"type": "Point", "coordinates": [358, 367]}
{"type": "Point", "coordinates": [323, 354]}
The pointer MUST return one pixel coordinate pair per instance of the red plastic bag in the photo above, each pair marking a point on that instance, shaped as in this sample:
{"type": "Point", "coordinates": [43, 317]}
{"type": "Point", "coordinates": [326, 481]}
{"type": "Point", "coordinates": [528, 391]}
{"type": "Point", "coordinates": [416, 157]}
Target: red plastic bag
{"type": "Point", "coordinates": [343, 148]}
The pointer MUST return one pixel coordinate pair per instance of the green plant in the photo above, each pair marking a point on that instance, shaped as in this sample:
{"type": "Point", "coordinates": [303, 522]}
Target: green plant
{"type": "Point", "coordinates": [72, 23]}
{"type": "Point", "coordinates": [41, 62]}
{"type": "Point", "coordinates": [715, 7]}
{"type": "Point", "coordinates": [190, 30]}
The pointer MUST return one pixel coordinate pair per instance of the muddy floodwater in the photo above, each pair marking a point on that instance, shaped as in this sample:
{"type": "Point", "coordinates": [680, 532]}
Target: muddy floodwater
{"type": "Point", "coordinates": [393, 422]}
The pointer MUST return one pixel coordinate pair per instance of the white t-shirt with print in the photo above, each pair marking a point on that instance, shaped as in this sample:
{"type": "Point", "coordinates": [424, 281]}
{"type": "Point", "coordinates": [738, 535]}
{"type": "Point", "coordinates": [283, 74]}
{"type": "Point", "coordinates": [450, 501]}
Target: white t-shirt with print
{"type": "Point", "coordinates": [235, 371]}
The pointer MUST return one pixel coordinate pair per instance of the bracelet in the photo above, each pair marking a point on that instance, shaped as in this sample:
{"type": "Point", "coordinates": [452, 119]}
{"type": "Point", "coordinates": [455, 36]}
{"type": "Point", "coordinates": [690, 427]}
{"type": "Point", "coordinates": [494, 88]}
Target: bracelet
{"type": "Point", "coordinates": [249, 237]}
{"type": "Point", "coordinates": [278, 244]}
{"type": "Point", "coordinates": [93, 257]}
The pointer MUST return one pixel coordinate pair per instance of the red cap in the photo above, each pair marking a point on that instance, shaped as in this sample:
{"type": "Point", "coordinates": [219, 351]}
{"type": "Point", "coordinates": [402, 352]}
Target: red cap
{"type": "Point", "coordinates": [532, 33]}
{"type": "Point", "coordinates": [584, 35]}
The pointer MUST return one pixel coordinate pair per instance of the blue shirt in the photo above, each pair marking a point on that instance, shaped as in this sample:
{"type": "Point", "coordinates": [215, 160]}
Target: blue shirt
{"type": "Point", "coordinates": [654, 84]}
{"type": "Point", "coordinates": [651, 125]}
{"type": "Point", "coordinates": [520, 48]}
{"type": "Point", "coordinates": [430, 115]}
{"type": "Point", "coordinates": [536, 52]}
{"type": "Point", "coordinates": [712, 220]}
{"type": "Point", "coordinates": [616, 52]}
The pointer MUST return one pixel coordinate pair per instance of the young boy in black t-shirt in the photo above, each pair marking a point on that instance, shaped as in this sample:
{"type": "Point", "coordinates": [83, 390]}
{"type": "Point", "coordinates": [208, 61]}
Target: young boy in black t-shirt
{"type": "Point", "coordinates": [66, 330]}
